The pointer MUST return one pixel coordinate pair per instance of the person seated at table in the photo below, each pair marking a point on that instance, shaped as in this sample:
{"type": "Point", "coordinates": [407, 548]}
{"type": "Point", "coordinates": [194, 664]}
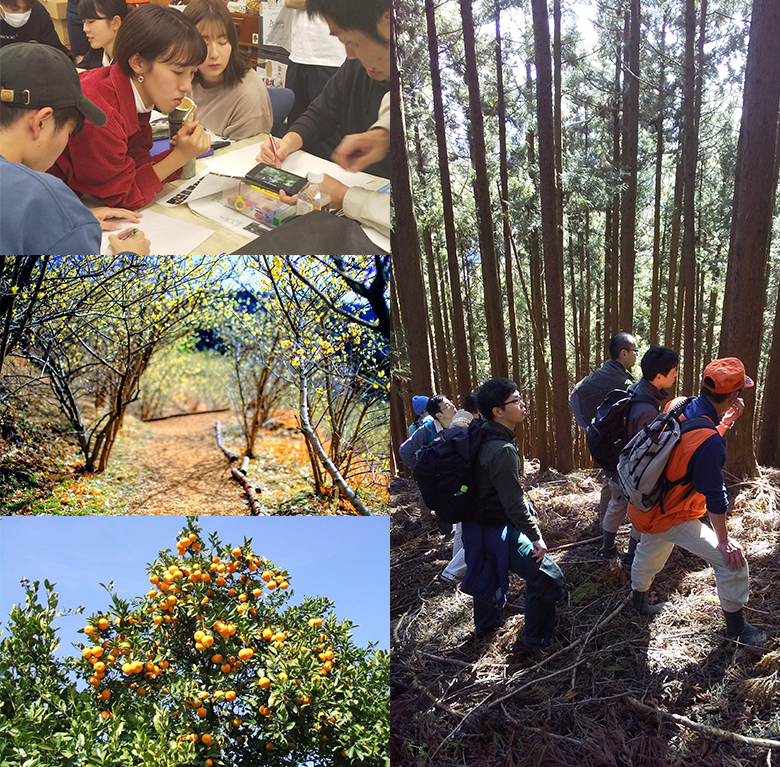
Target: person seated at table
{"type": "Point", "coordinates": [232, 99]}
{"type": "Point", "coordinates": [39, 214]}
{"type": "Point", "coordinates": [350, 101]}
{"type": "Point", "coordinates": [102, 19]}
{"type": "Point", "coordinates": [24, 21]}
{"type": "Point", "coordinates": [157, 51]}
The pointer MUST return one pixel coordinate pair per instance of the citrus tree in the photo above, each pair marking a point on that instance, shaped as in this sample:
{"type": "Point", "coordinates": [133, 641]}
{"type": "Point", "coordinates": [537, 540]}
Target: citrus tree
{"type": "Point", "coordinates": [45, 721]}
{"type": "Point", "coordinates": [238, 674]}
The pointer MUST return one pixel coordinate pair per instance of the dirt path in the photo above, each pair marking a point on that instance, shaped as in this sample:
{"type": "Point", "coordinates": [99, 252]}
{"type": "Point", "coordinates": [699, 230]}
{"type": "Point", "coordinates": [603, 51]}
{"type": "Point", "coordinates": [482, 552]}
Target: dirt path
{"type": "Point", "coordinates": [183, 469]}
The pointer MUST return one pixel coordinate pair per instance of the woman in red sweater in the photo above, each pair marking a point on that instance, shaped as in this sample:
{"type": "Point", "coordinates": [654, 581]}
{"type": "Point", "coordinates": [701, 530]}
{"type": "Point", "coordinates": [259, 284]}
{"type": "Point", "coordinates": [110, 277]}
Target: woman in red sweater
{"type": "Point", "coordinates": [157, 52]}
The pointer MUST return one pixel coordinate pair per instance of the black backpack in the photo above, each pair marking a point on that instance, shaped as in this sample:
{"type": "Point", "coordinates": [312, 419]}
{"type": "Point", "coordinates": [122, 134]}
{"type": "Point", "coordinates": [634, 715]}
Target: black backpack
{"type": "Point", "coordinates": [607, 433]}
{"type": "Point", "coordinates": [446, 470]}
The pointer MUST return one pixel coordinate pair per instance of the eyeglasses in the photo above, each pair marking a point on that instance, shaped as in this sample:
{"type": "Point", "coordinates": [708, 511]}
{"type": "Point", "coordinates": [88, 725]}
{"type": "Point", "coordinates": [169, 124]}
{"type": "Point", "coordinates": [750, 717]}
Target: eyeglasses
{"type": "Point", "coordinates": [636, 351]}
{"type": "Point", "coordinates": [514, 401]}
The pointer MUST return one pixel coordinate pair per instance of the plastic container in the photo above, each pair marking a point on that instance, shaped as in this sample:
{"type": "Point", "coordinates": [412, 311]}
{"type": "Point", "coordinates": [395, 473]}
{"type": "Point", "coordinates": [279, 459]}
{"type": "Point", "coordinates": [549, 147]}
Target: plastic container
{"type": "Point", "coordinates": [313, 196]}
{"type": "Point", "coordinates": [255, 204]}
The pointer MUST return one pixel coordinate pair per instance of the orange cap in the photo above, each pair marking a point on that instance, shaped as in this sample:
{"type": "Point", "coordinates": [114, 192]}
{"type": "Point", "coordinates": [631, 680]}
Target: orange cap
{"type": "Point", "coordinates": [725, 376]}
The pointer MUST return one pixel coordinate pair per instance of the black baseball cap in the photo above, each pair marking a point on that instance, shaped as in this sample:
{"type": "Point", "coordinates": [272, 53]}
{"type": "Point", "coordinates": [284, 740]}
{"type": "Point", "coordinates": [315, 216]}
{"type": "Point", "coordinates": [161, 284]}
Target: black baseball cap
{"type": "Point", "coordinates": [34, 76]}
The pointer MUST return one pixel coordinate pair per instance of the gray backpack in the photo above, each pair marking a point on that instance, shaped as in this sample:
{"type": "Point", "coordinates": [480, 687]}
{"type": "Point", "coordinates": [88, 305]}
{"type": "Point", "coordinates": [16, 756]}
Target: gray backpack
{"type": "Point", "coordinates": [642, 463]}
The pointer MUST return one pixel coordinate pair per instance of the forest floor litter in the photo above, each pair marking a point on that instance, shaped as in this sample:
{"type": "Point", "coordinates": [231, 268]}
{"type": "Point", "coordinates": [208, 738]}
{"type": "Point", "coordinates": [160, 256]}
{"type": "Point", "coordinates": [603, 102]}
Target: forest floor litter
{"type": "Point", "coordinates": [605, 693]}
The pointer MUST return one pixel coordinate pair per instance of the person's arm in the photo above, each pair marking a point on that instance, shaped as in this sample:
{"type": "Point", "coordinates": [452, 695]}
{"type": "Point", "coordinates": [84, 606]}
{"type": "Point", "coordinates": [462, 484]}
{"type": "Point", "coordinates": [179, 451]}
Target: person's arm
{"type": "Point", "coordinates": [369, 208]}
{"type": "Point", "coordinates": [409, 449]}
{"type": "Point", "coordinates": [503, 470]}
{"type": "Point", "coordinates": [322, 117]}
{"type": "Point", "coordinates": [732, 551]}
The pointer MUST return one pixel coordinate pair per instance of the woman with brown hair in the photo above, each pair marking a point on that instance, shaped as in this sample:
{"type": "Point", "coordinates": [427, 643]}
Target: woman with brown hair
{"type": "Point", "coordinates": [232, 99]}
{"type": "Point", "coordinates": [157, 53]}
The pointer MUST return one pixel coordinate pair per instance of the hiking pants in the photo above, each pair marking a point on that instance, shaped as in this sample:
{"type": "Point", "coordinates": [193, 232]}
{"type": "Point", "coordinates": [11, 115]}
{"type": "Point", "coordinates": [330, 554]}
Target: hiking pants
{"type": "Point", "coordinates": [699, 539]}
{"type": "Point", "coordinates": [457, 566]}
{"type": "Point", "coordinates": [544, 586]}
{"type": "Point", "coordinates": [615, 514]}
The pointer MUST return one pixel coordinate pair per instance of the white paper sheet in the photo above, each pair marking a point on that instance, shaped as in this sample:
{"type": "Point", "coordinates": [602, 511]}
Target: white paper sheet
{"type": "Point", "coordinates": [213, 209]}
{"type": "Point", "coordinates": [166, 234]}
{"type": "Point", "coordinates": [240, 161]}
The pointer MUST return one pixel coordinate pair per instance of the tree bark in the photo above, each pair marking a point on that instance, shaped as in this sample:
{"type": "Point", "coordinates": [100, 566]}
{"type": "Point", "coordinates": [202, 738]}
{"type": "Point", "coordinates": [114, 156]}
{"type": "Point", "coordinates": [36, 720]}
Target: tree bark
{"type": "Point", "coordinates": [553, 257]}
{"type": "Point", "coordinates": [745, 296]}
{"type": "Point", "coordinates": [463, 375]}
{"type": "Point", "coordinates": [630, 150]}
{"type": "Point", "coordinates": [406, 249]}
{"type": "Point", "coordinates": [494, 315]}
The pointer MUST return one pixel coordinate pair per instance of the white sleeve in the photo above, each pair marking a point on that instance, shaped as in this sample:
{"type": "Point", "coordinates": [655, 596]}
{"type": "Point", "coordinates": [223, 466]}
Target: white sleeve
{"type": "Point", "coordinates": [369, 208]}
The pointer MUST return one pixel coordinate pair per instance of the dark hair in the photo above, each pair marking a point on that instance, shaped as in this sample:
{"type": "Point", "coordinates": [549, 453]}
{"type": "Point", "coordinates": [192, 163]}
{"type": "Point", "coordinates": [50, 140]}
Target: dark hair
{"type": "Point", "coordinates": [714, 397]}
{"type": "Point", "coordinates": [11, 115]}
{"type": "Point", "coordinates": [620, 341]}
{"type": "Point", "coordinates": [362, 15]}
{"type": "Point", "coordinates": [215, 11]}
{"type": "Point", "coordinates": [158, 33]}
{"type": "Point", "coordinates": [103, 9]}
{"type": "Point", "coordinates": [434, 404]}
{"type": "Point", "coordinates": [493, 393]}
{"type": "Point", "coordinates": [470, 403]}
{"type": "Point", "coordinates": [658, 360]}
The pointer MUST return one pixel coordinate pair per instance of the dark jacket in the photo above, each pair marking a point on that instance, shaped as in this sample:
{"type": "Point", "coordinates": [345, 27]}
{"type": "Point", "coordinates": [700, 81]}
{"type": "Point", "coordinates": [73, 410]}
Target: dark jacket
{"type": "Point", "coordinates": [349, 103]}
{"type": "Point", "coordinates": [592, 389]}
{"type": "Point", "coordinates": [643, 413]}
{"type": "Point", "coordinates": [39, 28]}
{"type": "Point", "coordinates": [93, 59]}
{"type": "Point", "coordinates": [501, 498]}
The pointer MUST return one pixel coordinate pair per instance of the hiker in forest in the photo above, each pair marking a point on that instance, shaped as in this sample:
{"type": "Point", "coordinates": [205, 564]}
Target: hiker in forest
{"type": "Point", "coordinates": [419, 403]}
{"type": "Point", "coordinates": [697, 460]}
{"type": "Point", "coordinates": [440, 411]}
{"type": "Point", "coordinates": [589, 393]}
{"type": "Point", "coordinates": [659, 371]}
{"type": "Point", "coordinates": [468, 412]}
{"type": "Point", "coordinates": [504, 534]}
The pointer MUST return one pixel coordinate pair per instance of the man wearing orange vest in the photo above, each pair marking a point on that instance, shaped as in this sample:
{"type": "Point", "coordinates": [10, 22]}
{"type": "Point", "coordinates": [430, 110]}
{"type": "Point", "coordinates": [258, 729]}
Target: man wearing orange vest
{"type": "Point", "coordinates": [676, 519]}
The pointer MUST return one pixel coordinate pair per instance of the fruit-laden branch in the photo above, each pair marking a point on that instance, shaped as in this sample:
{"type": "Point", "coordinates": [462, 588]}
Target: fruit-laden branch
{"type": "Point", "coordinates": [313, 440]}
{"type": "Point", "coordinates": [238, 474]}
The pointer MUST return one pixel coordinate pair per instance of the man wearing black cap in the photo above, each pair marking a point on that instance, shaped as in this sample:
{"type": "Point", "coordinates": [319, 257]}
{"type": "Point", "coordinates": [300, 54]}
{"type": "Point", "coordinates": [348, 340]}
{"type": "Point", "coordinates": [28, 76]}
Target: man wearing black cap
{"type": "Point", "coordinates": [41, 105]}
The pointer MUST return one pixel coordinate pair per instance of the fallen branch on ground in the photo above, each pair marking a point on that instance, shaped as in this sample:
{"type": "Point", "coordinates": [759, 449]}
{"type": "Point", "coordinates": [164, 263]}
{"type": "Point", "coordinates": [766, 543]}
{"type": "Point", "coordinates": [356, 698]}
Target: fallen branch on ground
{"type": "Point", "coordinates": [683, 721]}
{"type": "Point", "coordinates": [181, 415]}
{"type": "Point", "coordinates": [238, 474]}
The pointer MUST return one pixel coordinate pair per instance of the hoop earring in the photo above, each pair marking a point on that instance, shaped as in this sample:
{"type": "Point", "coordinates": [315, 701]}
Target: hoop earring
{"type": "Point", "coordinates": [140, 78]}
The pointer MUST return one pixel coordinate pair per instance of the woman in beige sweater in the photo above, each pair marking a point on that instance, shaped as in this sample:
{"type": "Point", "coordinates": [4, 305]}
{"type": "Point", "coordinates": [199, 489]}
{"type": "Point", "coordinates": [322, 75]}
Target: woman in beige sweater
{"type": "Point", "coordinates": [232, 99]}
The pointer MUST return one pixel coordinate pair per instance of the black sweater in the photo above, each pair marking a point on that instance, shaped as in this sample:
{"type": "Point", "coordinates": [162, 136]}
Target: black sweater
{"type": "Point", "coordinates": [349, 103]}
{"type": "Point", "coordinates": [39, 28]}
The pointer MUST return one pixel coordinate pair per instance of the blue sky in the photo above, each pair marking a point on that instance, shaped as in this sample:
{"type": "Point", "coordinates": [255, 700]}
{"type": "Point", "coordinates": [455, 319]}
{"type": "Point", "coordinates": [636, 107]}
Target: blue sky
{"type": "Point", "coordinates": [344, 559]}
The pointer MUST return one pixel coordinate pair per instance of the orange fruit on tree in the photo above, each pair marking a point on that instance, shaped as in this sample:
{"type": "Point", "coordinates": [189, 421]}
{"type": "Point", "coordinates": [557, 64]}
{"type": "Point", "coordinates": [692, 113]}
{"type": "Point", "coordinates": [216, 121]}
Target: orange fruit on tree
{"type": "Point", "coordinates": [266, 575]}
{"type": "Point", "coordinates": [201, 712]}
{"type": "Point", "coordinates": [216, 658]}
{"type": "Point", "coordinates": [236, 552]}
{"type": "Point", "coordinates": [267, 634]}
{"type": "Point", "coordinates": [225, 667]}
{"type": "Point", "coordinates": [264, 682]}
{"type": "Point", "coordinates": [103, 624]}
{"type": "Point", "coordinates": [209, 763]}
{"type": "Point", "coordinates": [207, 739]}
{"type": "Point", "coordinates": [230, 695]}
{"type": "Point", "coordinates": [246, 653]}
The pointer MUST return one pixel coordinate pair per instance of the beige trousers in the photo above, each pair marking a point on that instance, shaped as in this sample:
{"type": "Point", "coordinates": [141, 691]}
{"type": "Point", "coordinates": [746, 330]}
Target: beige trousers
{"type": "Point", "coordinates": [699, 539]}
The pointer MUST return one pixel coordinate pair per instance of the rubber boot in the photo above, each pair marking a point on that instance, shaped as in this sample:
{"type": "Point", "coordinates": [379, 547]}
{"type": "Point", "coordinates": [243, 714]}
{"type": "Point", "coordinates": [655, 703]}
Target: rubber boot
{"type": "Point", "coordinates": [738, 628]}
{"type": "Point", "coordinates": [608, 548]}
{"type": "Point", "coordinates": [639, 601]}
{"type": "Point", "coordinates": [628, 558]}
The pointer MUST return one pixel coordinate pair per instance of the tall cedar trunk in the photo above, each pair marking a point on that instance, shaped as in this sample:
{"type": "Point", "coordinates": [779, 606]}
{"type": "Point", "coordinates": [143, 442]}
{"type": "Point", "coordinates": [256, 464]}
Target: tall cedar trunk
{"type": "Point", "coordinates": [690, 149]}
{"type": "Point", "coordinates": [463, 376]}
{"type": "Point", "coordinates": [470, 322]}
{"type": "Point", "coordinates": [504, 173]}
{"type": "Point", "coordinates": [494, 315]}
{"type": "Point", "coordinates": [553, 257]}
{"type": "Point", "coordinates": [443, 383]}
{"type": "Point", "coordinates": [673, 287]}
{"type": "Point", "coordinates": [769, 447]}
{"type": "Point", "coordinates": [588, 293]}
{"type": "Point", "coordinates": [655, 295]}
{"type": "Point", "coordinates": [611, 269]}
{"type": "Point", "coordinates": [406, 249]}
{"type": "Point", "coordinates": [745, 296]}
{"type": "Point", "coordinates": [398, 388]}
{"type": "Point", "coordinates": [536, 309]}
{"type": "Point", "coordinates": [630, 150]}
{"type": "Point", "coordinates": [557, 120]}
